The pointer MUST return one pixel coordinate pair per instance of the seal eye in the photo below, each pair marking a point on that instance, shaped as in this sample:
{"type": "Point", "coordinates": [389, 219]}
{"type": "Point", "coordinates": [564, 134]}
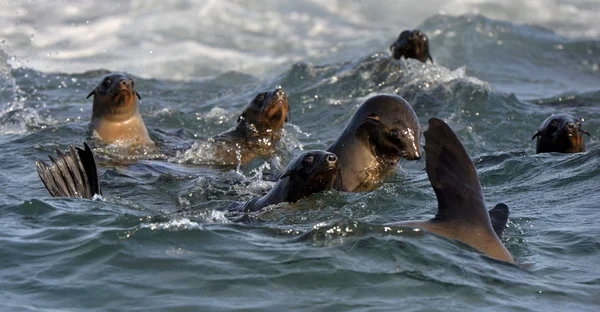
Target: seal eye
{"type": "Point", "coordinates": [106, 83]}
{"type": "Point", "coordinates": [307, 160]}
{"type": "Point", "coordinates": [395, 133]}
{"type": "Point", "coordinates": [259, 98]}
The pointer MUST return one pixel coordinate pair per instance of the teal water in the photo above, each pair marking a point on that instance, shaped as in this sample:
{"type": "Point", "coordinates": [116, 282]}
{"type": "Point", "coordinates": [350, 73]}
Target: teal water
{"type": "Point", "coordinates": [159, 239]}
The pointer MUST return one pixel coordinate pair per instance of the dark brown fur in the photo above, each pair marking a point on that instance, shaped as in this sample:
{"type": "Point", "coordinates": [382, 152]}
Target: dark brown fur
{"type": "Point", "coordinates": [560, 133]}
{"type": "Point", "coordinates": [411, 44]}
{"type": "Point", "coordinates": [309, 173]}
{"type": "Point", "coordinates": [258, 128]}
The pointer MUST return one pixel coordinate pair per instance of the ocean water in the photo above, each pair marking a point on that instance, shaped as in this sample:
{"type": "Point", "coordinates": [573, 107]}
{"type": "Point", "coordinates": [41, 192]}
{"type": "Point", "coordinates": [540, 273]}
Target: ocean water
{"type": "Point", "coordinates": [159, 240]}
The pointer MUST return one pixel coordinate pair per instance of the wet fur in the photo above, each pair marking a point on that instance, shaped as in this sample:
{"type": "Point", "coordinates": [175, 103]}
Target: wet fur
{"type": "Point", "coordinates": [411, 44]}
{"type": "Point", "coordinates": [560, 133]}
{"type": "Point", "coordinates": [258, 128]}
{"type": "Point", "coordinates": [366, 149]}
{"type": "Point", "coordinates": [299, 180]}
{"type": "Point", "coordinates": [115, 115]}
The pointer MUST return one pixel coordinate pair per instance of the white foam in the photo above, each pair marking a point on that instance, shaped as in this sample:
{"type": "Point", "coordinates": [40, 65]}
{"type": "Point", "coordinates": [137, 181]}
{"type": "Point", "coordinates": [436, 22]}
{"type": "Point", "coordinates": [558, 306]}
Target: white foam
{"type": "Point", "coordinates": [203, 38]}
{"type": "Point", "coordinates": [15, 117]}
{"type": "Point", "coordinates": [173, 225]}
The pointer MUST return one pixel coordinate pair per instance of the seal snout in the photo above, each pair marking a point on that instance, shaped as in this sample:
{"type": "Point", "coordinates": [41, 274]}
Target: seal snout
{"type": "Point", "coordinates": [279, 93]}
{"type": "Point", "coordinates": [275, 98]}
{"type": "Point", "coordinates": [414, 155]}
{"type": "Point", "coordinates": [571, 129]}
{"type": "Point", "coordinates": [279, 96]}
{"type": "Point", "coordinates": [125, 84]}
{"type": "Point", "coordinates": [331, 159]}
{"type": "Point", "coordinates": [119, 85]}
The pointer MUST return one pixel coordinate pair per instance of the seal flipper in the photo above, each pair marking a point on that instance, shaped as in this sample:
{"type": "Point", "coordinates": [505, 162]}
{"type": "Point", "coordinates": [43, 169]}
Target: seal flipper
{"type": "Point", "coordinates": [88, 163]}
{"type": "Point", "coordinates": [71, 175]}
{"type": "Point", "coordinates": [461, 209]}
{"type": "Point", "coordinates": [499, 218]}
{"type": "Point", "coordinates": [453, 176]}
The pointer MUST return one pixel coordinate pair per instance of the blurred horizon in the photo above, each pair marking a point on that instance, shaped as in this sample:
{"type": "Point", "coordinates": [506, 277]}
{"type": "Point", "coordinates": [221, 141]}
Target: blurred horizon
{"type": "Point", "coordinates": [191, 40]}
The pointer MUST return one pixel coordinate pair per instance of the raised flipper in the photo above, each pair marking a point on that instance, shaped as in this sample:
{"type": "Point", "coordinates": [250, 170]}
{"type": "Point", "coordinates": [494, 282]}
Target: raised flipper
{"type": "Point", "coordinates": [452, 176]}
{"type": "Point", "coordinates": [499, 218]}
{"type": "Point", "coordinates": [461, 208]}
{"type": "Point", "coordinates": [71, 175]}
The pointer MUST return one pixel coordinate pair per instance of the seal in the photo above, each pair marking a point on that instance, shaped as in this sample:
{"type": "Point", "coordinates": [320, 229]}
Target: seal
{"type": "Point", "coordinates": [382, 130]}
{"type": "Point", "coordinates": [499, 218]}
{"type": "Point", "coordinates": [258, 128]}
{"type": "Point", "coordinates": [309, 173]}
{"type": "Point", "coordinates": [71, 175]}
{"type": "Point", "coordinates": [461, 208]}
{"type": "Point", "coordinates": [115, 115]}
{"type": "Point", "coordinates": [560, 133]}
{"type": "Point", "coordinates": [411, 44]}
{"type": "Point", "coordinates": [75, 174]}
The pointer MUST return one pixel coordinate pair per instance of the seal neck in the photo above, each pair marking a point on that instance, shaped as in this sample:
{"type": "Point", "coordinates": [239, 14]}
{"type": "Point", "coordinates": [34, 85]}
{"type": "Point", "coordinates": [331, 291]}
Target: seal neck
{"type": "Point", "coordinates": [252, 134]}
{"type": "Point", "coordinates": [355, 161]}
{"type": "Point", "coordinates": [112, 111]}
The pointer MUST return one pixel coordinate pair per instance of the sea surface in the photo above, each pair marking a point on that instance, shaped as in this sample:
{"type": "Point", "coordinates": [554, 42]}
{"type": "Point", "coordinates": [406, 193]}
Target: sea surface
{"type": "Point", "coordinates": [160, 238]}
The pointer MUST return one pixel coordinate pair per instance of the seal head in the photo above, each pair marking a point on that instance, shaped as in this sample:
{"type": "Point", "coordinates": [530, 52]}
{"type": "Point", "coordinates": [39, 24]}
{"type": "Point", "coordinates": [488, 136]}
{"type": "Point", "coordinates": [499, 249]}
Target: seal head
{"type": "Point", "coordinates": [560, 133]}
{"type": "Point", "coordinates": [257, 128]}
{"type": "Point", "coordinates": [383, 129]}
{"type": "Point", "coordinates": [264, 116]}
{"type": "Point", "coordinates": [115, 115]}
{"type": "Point", "coordinates": [115, 98]}
{"type": "Point", "coordinates": [309, 173]}
{"type": "Point", "coordinates": [411, 44]}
